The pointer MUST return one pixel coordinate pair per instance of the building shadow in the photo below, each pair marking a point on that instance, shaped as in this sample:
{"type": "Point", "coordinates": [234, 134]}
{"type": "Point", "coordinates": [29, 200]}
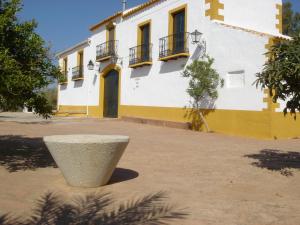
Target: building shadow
{"type": "Point", "coordinates": [48, 121]}
{"type": "Point", "coordinates": [122, 175]}
{"type": "Point", "coordinates": [63, 87]}
{"type": "Point", "coordinates": [99, 208]}
{"type": "Point", "coordinates": [140, 72]}
{"type": "Point", "coordinates": [78, 83]}
{"type": "Point", "coordinates": [173, 65]}
{"type": "Point", "coordinates": [199, 52]}
{"type": "Point", "coordinates": [24, 153]}
{"type": "Point", "coordinates": [277, 160]}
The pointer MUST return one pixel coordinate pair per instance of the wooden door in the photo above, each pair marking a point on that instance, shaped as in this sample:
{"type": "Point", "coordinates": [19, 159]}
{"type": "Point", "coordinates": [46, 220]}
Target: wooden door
{"type": "Point", "coordinates": [111, 94]}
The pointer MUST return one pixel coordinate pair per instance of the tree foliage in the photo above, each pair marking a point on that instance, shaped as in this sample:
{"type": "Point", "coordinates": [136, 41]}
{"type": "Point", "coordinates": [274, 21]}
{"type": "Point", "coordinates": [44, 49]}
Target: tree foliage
{"type": "Point", "coordinates": [26, 66]}
{"type": "Point", "coordinates": [203, 84]}
{"type": "Point", "coordinates": [51, 96]}
{"type": "Point", "coordinates": [281, 74]}
{"type": "Point", "coordinates": [291, 20]}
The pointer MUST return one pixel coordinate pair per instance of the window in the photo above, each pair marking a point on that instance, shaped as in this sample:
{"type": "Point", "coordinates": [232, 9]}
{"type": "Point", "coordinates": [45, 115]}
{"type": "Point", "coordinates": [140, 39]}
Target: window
{"type": "Point", "coordinates": [64, 71]}
{"type": "Point", "coordinates": [179, 31]}
{"type": "Point", "coordinates": [144, 42]}
{"type": "Point", "coordinates": [109, 48]}
{"type": "Point", "coordinates": [175, 45]}
{"type": "Point", "coordinates": [80, 59]}
{"type": "Point", "coordinates": [235, 79]}
{"type": "Point", "coordinates": [65, 65]}
{"type": "Point", "coordinates": [141, 55]}
{"type": "Point", "coordinates": [111, 39]}
{"type": "Point", "coordinates": [77, 72]}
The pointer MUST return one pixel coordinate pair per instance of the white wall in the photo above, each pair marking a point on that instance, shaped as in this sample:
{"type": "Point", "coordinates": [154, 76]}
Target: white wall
{"type": "Point", "coordinates": [76, 93]}
{"type": "Point", "coordinates": [162, 83]}
{"type": "Point", "coordinates": [259, 15]}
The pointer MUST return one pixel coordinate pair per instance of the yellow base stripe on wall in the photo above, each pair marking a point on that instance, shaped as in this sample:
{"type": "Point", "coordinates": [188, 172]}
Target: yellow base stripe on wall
{"type": "Point", "coordinates": [258, 124]}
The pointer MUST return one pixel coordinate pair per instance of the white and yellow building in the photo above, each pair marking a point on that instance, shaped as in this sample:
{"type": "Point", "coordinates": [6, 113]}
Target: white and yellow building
{"type": "Point", "coordinates": [140, 53]}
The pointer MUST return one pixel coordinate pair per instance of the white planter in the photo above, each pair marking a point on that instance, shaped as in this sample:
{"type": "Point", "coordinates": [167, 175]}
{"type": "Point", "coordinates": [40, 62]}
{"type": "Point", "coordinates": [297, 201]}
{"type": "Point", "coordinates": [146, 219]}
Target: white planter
{"type": "Point", "coordinates": [87, 160]}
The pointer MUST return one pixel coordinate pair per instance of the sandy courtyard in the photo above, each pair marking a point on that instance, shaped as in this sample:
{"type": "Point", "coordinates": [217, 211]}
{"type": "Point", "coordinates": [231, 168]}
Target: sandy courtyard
{"type": "Point", "coordinates": [217, 179]}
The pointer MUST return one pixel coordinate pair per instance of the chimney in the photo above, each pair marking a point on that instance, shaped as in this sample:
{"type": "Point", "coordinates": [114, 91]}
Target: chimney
{"type": "Point", "coordinates": [124, 3]}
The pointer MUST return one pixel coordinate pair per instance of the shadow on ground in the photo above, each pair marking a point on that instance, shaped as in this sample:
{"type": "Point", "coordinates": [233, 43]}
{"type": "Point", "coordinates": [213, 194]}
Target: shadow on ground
{"type": "Point", "coordinates": [277, 160]}
{"type": "Point", "coordinates": [99, 209]}
{"type": "Point", "coordinates": [121, 175]}
{"type": "Point", "coordinates": [24, 153]}
{"type": "Point", "coordinates": [18, 153]}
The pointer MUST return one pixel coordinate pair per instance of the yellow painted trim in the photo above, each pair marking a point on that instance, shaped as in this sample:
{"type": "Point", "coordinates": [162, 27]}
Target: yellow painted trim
{"type": "Point", "coordinates": [78, 57]}
{"type": "Point", "coordinates": [271, 105]}
{"type": "Point", "coordinates": [103, 59]}
{"type": "Point", "coordinates": [179, 55]}
{"type": "Point", "coordinates": [103, 73]}
{"type": "Point", "coordinates": [141, 64]}
{"type": "Point", "coordinates": [258, 124]}
{"type": "Point", "coordinates": [214, 10]}
{"type": "Point", "coordinates": [78, 111]}
{"type": "Point", "coordinates": [109, 27]}
{"type": "Point", "coordinates": [139, 31]}
{"type": "Point", "coordinates": [279, 18]}
{"type": "Point", "coordinates": [76, 79]}
{"type": "Point", "coordinates": [65, 68]}
{"type": "Point", "coordinates": [171, 22]}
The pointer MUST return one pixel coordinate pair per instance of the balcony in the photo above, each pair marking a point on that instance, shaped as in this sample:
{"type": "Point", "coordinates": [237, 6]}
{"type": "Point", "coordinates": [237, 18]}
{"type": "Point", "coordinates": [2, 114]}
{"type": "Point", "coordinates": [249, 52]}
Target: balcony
{"type": "Point", "coordinates": [64, 78]}
{"type": "Point", "coordinates": [77, 73]}
{"type": "Point", "coordinates": [174, 46]}
{"type": "Point", "coordinates": [106, 50]}
{"type": "Point", "coordinates": [140, 56]}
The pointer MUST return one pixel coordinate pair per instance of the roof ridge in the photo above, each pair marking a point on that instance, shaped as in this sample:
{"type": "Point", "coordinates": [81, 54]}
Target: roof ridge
{"type": "Point", "coordinates": [125, 13]}
{"type": "Point", "coordinates": [250, 30]}
{"type": "Point", "coordinates": [140, 7]}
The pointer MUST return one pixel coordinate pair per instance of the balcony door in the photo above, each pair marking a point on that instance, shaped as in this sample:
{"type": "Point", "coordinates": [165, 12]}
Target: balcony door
{"type": "Point", "coordinates": [179, 32]}
{"type": "Point", "coordinates": [145, 31]}
{"type": "Point", "coordinates": [80, 63]}
{"type": "Point", "coordinates": [111, 40]}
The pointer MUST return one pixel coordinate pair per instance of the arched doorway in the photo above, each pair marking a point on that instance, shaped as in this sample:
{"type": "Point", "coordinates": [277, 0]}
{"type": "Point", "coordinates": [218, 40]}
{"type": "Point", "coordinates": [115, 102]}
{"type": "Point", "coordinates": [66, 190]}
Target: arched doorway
{"type": "Point", "coordinates": [111, 94]}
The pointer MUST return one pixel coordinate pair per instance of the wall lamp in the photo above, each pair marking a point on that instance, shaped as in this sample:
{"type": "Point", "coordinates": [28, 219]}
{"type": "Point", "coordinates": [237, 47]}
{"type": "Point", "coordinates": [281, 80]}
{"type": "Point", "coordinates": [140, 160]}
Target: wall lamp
{"type": "Point", "coordinates": [196, 36]}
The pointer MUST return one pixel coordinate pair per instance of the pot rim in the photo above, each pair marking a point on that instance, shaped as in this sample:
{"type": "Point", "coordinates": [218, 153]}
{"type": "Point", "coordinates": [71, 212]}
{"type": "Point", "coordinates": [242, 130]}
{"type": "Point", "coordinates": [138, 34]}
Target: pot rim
{"type": "Point", "coordinates": [85, 139]}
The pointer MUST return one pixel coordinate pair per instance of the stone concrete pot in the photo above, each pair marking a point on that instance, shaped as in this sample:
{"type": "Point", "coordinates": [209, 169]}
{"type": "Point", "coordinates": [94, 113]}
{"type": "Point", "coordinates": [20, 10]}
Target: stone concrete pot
{"type": "Point", "coordinates": [87, 160]}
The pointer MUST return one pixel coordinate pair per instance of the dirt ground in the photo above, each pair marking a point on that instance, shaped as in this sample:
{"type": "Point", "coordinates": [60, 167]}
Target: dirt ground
{"type": "Point", "coordinates": [217, 179]}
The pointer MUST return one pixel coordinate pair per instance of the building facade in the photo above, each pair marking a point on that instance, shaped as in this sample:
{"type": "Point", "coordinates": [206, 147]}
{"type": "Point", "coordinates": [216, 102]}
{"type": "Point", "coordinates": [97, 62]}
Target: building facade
{"type": "Point", "coordinates": [139, 56]}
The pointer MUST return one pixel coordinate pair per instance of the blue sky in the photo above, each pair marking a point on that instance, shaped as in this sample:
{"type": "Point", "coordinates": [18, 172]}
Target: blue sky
{"type": "Point", "coordinates": [64, 23]}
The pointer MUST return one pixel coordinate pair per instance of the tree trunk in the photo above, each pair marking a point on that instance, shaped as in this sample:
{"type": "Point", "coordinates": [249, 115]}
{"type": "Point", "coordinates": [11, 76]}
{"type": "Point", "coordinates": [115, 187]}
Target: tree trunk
{"type": "Point", "coordinates": [204, 121]}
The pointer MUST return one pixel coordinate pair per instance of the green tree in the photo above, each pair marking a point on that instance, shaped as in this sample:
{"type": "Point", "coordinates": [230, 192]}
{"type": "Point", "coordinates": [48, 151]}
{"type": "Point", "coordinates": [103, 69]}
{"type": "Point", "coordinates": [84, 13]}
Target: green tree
{"type": "Point", "coordinates": [291, 20]}
{"type": "Point", "coordinates": [281, 74]}
{"type": "Point", "coordinates": [51, 95]}
{"type": "Point", "coordinates": [26, 66]}
{"type": "Point", "coordinates": [203, 84]}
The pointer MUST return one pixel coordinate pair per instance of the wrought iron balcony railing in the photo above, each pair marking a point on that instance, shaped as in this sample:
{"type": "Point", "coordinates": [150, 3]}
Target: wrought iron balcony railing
{"type": "Point", "coordinates": [106, 50]}
{"type": "Point", "coordinates": [173, 45]}
{"type": "Point", "coordinates": [140, 54]}
{"type": "Point", "coordinates": [77, 72]}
